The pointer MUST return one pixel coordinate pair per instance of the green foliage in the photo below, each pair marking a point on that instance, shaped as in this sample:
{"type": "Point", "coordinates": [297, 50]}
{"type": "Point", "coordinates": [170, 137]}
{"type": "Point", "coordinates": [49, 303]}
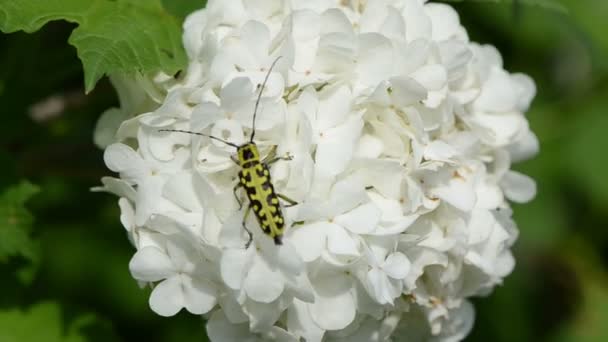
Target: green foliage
{"type": "Point", "coordinates": [181, 8]}
{"type": "Point", "coordinates": [546, 4]}
{"type": "Point", "coordinates": [587, 150]}
{"type": "Point", "coordinates": [113, 36]}
{"type": "Point", "coordinates": [15, 227]}
{"type": "Point", "coordinates": [41, 322]}
{"type": "Point", "coordinates": [589, 322]}
{"type": "Point", "coordinates": [558, 291]}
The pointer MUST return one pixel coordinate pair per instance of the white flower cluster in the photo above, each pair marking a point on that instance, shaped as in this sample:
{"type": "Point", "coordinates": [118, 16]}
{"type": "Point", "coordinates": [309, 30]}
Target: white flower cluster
{"type": "Point", "coordinates": [402, 133]}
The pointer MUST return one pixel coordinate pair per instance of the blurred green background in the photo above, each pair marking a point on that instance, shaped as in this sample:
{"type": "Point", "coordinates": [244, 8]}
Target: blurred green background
{"type": "Point", "coordinates": [80, 289]}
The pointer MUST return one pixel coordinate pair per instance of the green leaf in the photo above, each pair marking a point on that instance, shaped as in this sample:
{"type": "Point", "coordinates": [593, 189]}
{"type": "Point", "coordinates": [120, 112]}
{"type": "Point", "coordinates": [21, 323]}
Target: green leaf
{"type": "Point", "coordinates": [181, 8]}
{"type": "Point", "coordinates": [42, 322]}
{"type": "Point", "coordinates": [113, 36]}
{"type": "Point", "coordinates": [15, 223]}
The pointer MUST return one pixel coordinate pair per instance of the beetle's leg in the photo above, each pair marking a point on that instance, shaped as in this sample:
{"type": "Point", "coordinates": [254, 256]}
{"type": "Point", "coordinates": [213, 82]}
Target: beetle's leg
{"type": "Point", "coordinates": [271, 155]}
{"type": "Point", "coordinates": [236, 196]}
{"type": "Point", "coordinates": [245, 227]}
{"type": "Point", "coordinates": [288, 200]}
{"type": "Point", "coordinates": [287, 156]}
{"type": "Point", "coordinates": [235, 159]}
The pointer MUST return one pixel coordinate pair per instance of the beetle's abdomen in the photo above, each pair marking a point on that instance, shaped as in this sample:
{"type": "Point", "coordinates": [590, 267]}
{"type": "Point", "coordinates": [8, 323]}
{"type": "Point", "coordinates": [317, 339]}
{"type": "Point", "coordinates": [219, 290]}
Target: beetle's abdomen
{"type": "Point", "coordinates": [263, 199]}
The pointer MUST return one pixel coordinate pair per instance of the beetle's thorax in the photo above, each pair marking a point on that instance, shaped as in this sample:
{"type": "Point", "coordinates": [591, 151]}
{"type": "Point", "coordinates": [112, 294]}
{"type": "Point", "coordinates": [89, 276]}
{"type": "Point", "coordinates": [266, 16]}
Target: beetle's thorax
{"type": "Point", "coordinates": [248, 154]}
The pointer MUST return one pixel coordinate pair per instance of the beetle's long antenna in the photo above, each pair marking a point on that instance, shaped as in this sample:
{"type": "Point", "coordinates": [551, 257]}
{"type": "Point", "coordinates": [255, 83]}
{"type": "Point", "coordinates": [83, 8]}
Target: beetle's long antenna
{"type": "Point", "coordinates": [201, 134]}
{"type": "Point", "coordinates": [257, 102]}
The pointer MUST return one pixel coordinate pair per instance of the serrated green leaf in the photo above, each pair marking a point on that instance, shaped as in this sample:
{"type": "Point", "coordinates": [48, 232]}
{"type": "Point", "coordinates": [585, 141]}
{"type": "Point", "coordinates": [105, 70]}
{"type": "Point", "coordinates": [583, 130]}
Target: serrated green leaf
{"type": "Point", "coordinates": [42, 322]}
{"type": "Point", "coordinates": [113, 36]}
{"type": "Point", "coordinates": [15, 223]}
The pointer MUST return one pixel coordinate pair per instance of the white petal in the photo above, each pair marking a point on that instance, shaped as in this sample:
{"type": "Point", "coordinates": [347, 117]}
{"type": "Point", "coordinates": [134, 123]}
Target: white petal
{"type": "Point", "coordinates": [229, 130]}
{"type": "Point", "coordinates": [176, 104]}
{"type": "Point", "coordinates": [480, 226]}
{"type": "Point", "coordinates": [280, 335]}
{"type": "Point", "coordinates": [309, 240]}
{"type": "Point", "coordinates": [489, 195]}
{"type": "Point", "coordinates": [432, 77]}
{"type": "Point", "coordinates": [204, 115]}
{"type": "Point", "coordinates": [121, 158]}
{"type": "Point", "coordinates": [118, 187]}
{"type": "Point", "coordinates": [396, 266]}
{"type": "Point", "coordinates": [270, 114]}
{"type": "Point", "coordinates": [219, 329]}
{"type": "Point", "coordinates": [288, 259]}
{"type": "Point", "coordinates": [257, 38]}
{"type": "Point", "coordinates": [162, 224]}
{"type": "Point", "coordinates": [306, 25]}
{"type": "Point", "coordinates": [457, 192]}
{"type": "Point", "coordinates": [232, 234]}
{"type": "Point", "coordinates": [262, 316]}
{"type": "Point", "coordinates": [300, 288]}
{"type": "Point", "coordinates": [236, 94]}
{"type": "Point", "coordinates": [167, 298]}
{"type": "Point", "coordinates": [335, 20]}
{"type": "Point", "coordinates": [406, 91]}
{"type": "Point", "coordinates": [336, 53]}
{"type": "Point", "coordinates": [417, 23]}
{"type": "Point", "coordinates": [446, 24]}
{"type": "Point", "coordinates": [369, 147]}
{"type": "Point", "coordinates": [384, 175]}
{"type": "Point", "coordinates": [263, 284]}
{"type": "Point", "coordinates": [456, 56]}
{"type": "Point", "coordinates": [498, 93]}
{"type": "Point", "coordinates": [232, 309]}
{"type": "Point", "coordinates": [526, 89]}
{"type": "Point", "coordinates": [182, 253]}
{"type": "Point", "coordinates": [163, 145]}
{"type": "Point", "coordinates": [378, 284]}
{"type": "Point", "coordinates": [394, 25]}
{"type": "Point", "coordinates": [127, 214]}
{"type": "Point", "coordinates": [498, 129]}
{"type": "Point", "coordinates": [460, 324]}
{"type": "Point", "coordinates": [301, 323]}
{"type": "Point", "coordinates": [336, 147]}
{"type": "Point", "coordinates": [155, 121]}
{"type": "Point", "coordinates": [193, 32]}
{"type": "Point", "coordinates": [391, 209]}
{"type": "Point", "coordinates": [232, 267]}
{"type": "Point", "coordinates": [504, 264]}
{"type": "Point", "coordinates": [518, 187]}
{"type": "Point", "coordinates": [525, 148]}
{"type": "Point", "coordinates": [414, 55]}
{"type": "Point", "coordinates": [334, 106]}
{"type": "Point", "coordinates": [148, 198]}
{"type": "Point", "coordinates": [340, 242]}
{"type": "Point", "coordinates": [375, 61]}
{"type": "Point", "coordinates": [334, 306]}
{"type": "Point", "coordinates": [199, 295]}
{"type": "Point", "coordinates": [107, 126]}
{"type": "Point", "coordinates": [184, 190]}
{"type": "Point", "coordinates": [361, 220]}
{"type": "Point", "coordinates": [151, 264]}
{"type": "Point", "coordinates": [439, 150]}
{"type": "Point", "coordinates": [346, 194]}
